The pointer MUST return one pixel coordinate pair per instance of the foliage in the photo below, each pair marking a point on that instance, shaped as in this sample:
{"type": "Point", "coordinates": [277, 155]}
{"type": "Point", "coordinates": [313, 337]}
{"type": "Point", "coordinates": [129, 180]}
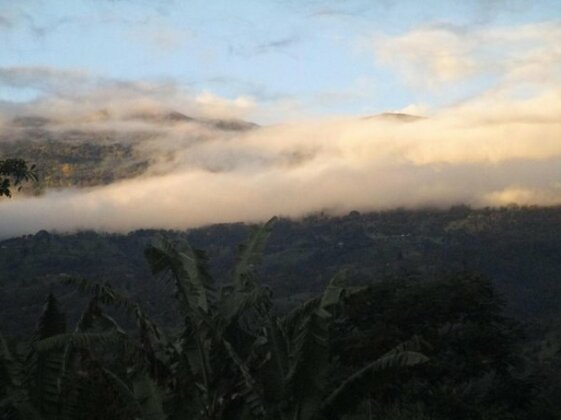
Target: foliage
{"type": "Point", "coordinates": [13, 172]}
{"type": "Point", "coordinates": [478, 368]}
{"type": "Point", "coordinates": [74, 159]}
{"type": "Point", "coordinates": [234, 357]}
{"type": "Point", "coordinates": [232, 349]}
{"type": "Point", "coordinates": [518, 250]}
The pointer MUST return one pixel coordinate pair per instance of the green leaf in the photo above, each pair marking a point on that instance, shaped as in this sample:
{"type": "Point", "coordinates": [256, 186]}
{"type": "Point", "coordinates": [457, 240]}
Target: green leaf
{"type": "Point", "coordinates": [43, 368]}
{"type": "Point", "coordinates": [189, 269]}
{"type": "Point", "coordinates": [352, 390]}
{"type": "Point", "coordinates": [51, 322]}
{"type": "Point", "coordinates": [78, 340]}
{"type": "Point", "coordinates": [11, 370]}
{"type": "Point", "coordinates": [252, 394]}
{"type": "Point", "coordinates": [127, 395]}
{"type": "Point", "coordinates": [105, 294]}
{"type": "Point", "coordinates": [249, 256]}
{"type": "Point", "coordinates": [334, 291]}
{"type": "Point", "coordinates": [19, 401]}
{"type": "Point", "coordinates": [149, 398]}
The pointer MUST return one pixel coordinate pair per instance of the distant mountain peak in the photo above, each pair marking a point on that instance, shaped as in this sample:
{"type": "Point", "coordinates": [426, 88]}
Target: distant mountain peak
{"type": "Point", "coordinates": [169, 117]}
{"type": "Point", "coordinates": [395, 116]}
{"type": "Point", "coordinates": [231, 124]}
{"type": "Point", "coordinates": [156, 117]}
{"type": "Point", "coordinates": [174, 117]}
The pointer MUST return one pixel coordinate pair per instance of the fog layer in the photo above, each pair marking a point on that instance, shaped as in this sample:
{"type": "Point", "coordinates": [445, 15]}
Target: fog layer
{"type": "Point", "coordinates": [489, 151]}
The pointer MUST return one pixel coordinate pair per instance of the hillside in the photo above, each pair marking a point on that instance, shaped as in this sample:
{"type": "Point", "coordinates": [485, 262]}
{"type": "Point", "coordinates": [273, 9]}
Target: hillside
{"type": "Point", "coordinates": [518, 248]}
{"type": "Point", "coordinates": [100, 149]}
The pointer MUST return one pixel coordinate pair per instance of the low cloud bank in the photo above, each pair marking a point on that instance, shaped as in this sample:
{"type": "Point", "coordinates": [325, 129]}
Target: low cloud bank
{"type": "Point", "coordinates": [493, 150]}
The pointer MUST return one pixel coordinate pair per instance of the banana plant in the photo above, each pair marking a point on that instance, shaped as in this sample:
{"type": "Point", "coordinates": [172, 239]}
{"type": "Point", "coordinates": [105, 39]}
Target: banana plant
{"type": "Point", "coordinates": [299, 361]}
{"type": "Point", "coordinates": [68, 375]}
{"type": "Point", "coordinates": [280, 365]}
{"type": "Point", "coordinates": [105, 371]}
{"type": "Point", "coordinates": [30, 382]}
{"type": "Point", "coordinates": [220, 327]}
{"type": "Point", "coordinates": [234, 358]}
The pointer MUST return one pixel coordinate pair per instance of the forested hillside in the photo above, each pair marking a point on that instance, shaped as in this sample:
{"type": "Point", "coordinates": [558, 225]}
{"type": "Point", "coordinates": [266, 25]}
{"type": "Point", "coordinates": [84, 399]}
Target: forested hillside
{"type": "Point", "coordinates": [394, 315]}
{"type": "Point", "coordinates": [518, 248]}
{"type": "Point", "coordinates": [101, 150]}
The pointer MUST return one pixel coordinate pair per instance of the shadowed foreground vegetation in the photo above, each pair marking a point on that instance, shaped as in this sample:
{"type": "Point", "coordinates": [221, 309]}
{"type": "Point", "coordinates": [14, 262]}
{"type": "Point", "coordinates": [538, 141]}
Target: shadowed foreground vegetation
{"type": "Point", "coordinates": [234, 357]}
{"type": "Point", "coordinates": [396, 349]}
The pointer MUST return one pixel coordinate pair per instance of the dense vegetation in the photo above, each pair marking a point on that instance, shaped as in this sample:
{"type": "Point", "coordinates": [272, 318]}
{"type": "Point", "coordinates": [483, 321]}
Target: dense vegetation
{"type": "Point", "coordinates": [74, 158]}
{"type": "Point", "coordinates": [516, 247]}
{"type": "Point", "coordinates": [90, 155]}
{"type": "Point", "coordinates": [14, 172]}
{"type": "Point", "coordinates": [234, 358]}
{"type": "Point", "coordinates": [417, 330]}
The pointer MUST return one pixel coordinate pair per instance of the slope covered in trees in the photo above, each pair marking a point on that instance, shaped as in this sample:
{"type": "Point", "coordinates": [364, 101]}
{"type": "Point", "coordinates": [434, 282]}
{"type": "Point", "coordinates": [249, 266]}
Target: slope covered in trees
{"type": "Point", "coordinates": [518, 248]}
{"type": "Point", "coordinates": [400, 348]}
{"type": "Point", "coordinates": [103, 149]}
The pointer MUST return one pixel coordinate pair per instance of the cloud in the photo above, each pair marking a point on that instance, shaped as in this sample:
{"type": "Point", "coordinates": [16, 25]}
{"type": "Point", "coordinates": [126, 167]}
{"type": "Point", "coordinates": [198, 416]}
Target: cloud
{"type": "Point", "coordinates": [215, 106]}
{"type": "Point", "coordinates": [429, 55]}
{"type": "Point", "coordinates": [277, 44]}
{"type": "Point", "coordinates": [487, 10]}
{"type": "Point", "coordinates": [70, 94]}
{"type": "Point", "coordinates": [437, 55]}
{"type": "Point", "coordinates": [41, 31]}
{"type": "Point", "coordinates": [499, 146]}
{"type": "Point", "coordinates": [251, 87]}
{"type": "Point", "coordinates": [5, 22]}
{"type": "Point", "coordinates": [328, 12]}
{"type": "Point", "coordinates": [162, 6]}
{"type": "Point", "coordinates": [274, 46]}
{"type": "Point", "coordinates": [159, 35]}
{"type": "Point", "coordinates": [491, 150]}
{"type": "Point", "coordinates": [16, 16]}
{"type": "Point", "coordinates": [360, 88]}
{"type": "Point", "coordinates": [46, 79]}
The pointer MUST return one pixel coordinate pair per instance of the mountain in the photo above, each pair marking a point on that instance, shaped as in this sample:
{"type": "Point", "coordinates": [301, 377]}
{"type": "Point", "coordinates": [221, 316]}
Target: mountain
{"type": "Point", "coordinates": [516, 247]}
{"type": "Point", "coordinates": [395, 116]}
{"type": "Point", "coordinates": [94, 150]}
{"type": "Point", "coordinates": [173, 117]}
{"type": "Point", "coordinates": [102, 147]}
{"type": "Point", "coordinates": [231, 124]}
{"type": "Point", "coordinates": [75, 158]}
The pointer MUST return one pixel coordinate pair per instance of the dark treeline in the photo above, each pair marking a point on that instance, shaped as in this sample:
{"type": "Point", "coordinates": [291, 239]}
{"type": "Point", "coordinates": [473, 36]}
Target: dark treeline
{"type": "Point", "coordinates": [518, 248]}
{"type": "Point", "coordinates": [438, 315]}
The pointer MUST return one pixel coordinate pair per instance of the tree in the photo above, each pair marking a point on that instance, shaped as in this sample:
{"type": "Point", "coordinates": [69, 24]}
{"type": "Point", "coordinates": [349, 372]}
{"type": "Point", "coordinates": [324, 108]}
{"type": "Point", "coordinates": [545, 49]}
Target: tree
{"type": "Point", "coordinates": [234, 358]}
{"type": "Point", "coordinates": [13, 172]}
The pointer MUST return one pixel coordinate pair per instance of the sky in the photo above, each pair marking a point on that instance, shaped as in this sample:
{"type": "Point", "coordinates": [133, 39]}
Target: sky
{"type": "Point", "coordinates": [484, 75]}
{"type": "Point", "coordinates": [280, 59]}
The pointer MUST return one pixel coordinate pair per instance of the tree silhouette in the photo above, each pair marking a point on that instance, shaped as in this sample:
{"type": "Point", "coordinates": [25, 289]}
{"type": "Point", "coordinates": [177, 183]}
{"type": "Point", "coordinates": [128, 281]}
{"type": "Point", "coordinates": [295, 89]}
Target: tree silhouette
{"type": "Point", "coordinates": [13, 172]}
{"type": "Point", "coordinates": [234, 358]}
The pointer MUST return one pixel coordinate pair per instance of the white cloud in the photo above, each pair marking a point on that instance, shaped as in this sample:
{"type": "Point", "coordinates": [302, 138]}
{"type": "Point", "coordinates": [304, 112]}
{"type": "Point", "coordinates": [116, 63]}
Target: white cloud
{"type": "Point", "coordinates": [213, 105]}
{"type": "Point", "coordinates": [43, 78]}
{"type": "Point", "coordinates": [474, 153]}
{"type": "Point", "coordinates": [428, 56]}
{"type": "Point", "coordinates": [70, 94]}
{"type": "Point", "coordinates": [160, 36]}
{"type": "Point", "coordinates": [500, 146]}
{"type": "Point", "coordinates": [438, 55]}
